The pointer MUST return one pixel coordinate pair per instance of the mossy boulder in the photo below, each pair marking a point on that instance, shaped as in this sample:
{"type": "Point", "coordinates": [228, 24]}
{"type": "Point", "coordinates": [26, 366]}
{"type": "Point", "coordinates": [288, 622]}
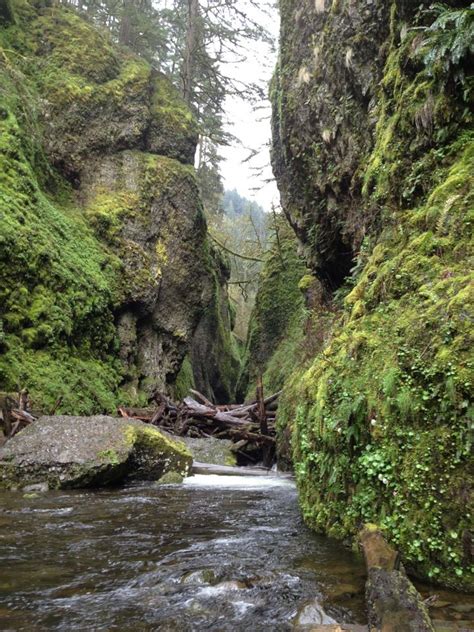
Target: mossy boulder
{"type": "Point", "coordinates": [78, 452]}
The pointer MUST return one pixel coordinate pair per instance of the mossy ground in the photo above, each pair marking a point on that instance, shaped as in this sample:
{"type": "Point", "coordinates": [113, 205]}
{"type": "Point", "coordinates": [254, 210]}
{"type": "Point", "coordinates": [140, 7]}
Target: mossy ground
{"type": "Point", "coordinates": [382, 420]}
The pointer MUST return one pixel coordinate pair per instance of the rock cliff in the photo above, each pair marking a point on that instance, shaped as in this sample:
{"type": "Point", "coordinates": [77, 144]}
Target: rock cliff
{"type": "Point", "coordinates": [105, 269]}
{"type": "Point", "coordinates": [373, 154]}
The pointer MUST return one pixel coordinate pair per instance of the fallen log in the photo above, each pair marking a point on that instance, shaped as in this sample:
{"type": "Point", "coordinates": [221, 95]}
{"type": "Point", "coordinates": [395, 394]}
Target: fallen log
{"type": "Point", "coordinates": [195, 408]}
{"type": "Point", "coordinates": [393, 603]}
{"type": "Point", "coordinates": [202, 398]}
{"type": "Point", "coordinates": [210, 468]}
{"type": "Point", "coordinates": [198, 417]}
{"type": "Point", "coordinates": [252, 437]}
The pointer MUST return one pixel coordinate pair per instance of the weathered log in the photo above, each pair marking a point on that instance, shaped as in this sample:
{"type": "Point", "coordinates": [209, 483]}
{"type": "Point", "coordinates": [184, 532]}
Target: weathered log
{"type": "Point", "coordinates": [393, 603]}
{"type": "Point", "coordinates": [22, 416]}
{"type": "Point", "coordinates": [252, 437]}
{"type": "Point", "coordinates": [204, 419]}
{"type": "Point", "coordinates": [210, 468]}
{"type": "Point", "coordinates": [195, 408]}
{"type": "Point", "coordinates": [202, 398]}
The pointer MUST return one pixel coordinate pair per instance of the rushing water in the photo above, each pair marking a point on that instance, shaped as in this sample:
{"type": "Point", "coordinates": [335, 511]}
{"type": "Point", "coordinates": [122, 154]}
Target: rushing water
{"type": "Point", "coordinates": [218, 553]}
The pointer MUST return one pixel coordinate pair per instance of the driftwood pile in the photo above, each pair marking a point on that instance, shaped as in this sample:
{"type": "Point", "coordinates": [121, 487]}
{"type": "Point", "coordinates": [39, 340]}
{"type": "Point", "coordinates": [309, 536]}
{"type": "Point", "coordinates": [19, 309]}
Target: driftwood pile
{"type": "Point", "coordinates": [14, 413]}
{"type": "Point", "coordinates": [249, 426]}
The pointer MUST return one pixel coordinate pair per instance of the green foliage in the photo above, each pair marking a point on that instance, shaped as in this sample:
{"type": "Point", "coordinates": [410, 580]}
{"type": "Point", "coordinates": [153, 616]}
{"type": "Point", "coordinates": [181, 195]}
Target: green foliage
{"type": "Point", "coordinates": [185, 380]}
{"type": "Point", "coordinates": [382, 419]}
{"type": "Point", "coordinates": [278, 313]}
{"type": "Point", "coordinates": [449, 41]}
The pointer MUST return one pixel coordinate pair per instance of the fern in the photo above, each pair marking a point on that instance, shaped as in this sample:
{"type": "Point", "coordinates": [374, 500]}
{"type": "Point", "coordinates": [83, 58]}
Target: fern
{"type": "Point", "coordinates": [449, 41]}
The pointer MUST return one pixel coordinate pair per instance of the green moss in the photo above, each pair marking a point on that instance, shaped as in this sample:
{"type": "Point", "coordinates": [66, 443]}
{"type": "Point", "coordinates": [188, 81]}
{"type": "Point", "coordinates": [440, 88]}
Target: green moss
{"type": "Point", "coordinates": [56, 280]}
{"type": "Point", "coordinates": [150, 443]}
{"type": "Point", "coordinates": [170, 109]}
{"type": "Point", "coordinates": [386, 408]}
{"type": "Point", "coordinates": [110, 456]}
{"type": "Point", "coordinates": [382, 419]}
{"type": "Point", "coordinates": [215, 353]}
{"type": "Point", "coordinates": [64, 269]}
{"type": "Point", "coordinates": [185, 380]}
{"type": "Point", "coordinates": [276, 323]}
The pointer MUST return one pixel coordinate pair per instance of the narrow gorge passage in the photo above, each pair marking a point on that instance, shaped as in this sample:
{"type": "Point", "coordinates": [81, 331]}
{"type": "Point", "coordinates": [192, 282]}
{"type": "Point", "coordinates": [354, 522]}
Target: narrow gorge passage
{"type": "Point", "coordinates": [156, 302]}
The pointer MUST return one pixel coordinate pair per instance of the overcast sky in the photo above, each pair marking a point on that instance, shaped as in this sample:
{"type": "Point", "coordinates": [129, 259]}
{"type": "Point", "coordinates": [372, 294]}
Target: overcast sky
{"type": "Point", "coordinates": [252, 128]}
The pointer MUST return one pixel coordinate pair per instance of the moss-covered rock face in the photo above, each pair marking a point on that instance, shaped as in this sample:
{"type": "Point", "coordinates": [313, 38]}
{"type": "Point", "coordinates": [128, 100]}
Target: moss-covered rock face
{"type": "Point", "coordinates": [276, 323]}
{"type": "Point", "coordinates": [98, 99]}
{"type": "Point", "coordinates": [147, 209]}
{"type": "Point", "coordinates": [78, 452]}
{"type": "Point", "coordinates": [104, 266]}
{"type": "Point", "coordinates": [327, 76]}
{"type": "Point", "coordinates": [381, 419]}
{"type": "Point", "coordinates": [214, 353]}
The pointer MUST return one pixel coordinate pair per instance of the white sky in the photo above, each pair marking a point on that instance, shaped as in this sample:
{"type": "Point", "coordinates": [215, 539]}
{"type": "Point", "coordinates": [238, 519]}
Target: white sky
{"type": "Point", "coordinates": [252, 128]}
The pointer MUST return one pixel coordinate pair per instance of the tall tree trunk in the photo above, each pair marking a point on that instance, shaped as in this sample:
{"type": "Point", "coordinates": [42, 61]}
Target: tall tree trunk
{"type": "Point", "coordinates": [125, 23]}
{"type": "Point", "coordinates": [189, 63]}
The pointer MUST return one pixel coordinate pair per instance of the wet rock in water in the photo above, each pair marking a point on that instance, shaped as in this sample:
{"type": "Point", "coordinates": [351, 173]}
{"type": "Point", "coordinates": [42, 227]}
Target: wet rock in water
{"type": "Point", "coordinates": [343, 590]}
{"type": "Point", "coordinates": [222, 588]}
{"type": "Point", "coordinates": [76, 452]}
{"type": "Point", "coordinates": [393, 603]}
{"type": "Point", "coordinates": [36, 487]}
{"type": "Point", "coordinates": [211, 450]}
{"type": "Point", "coordinates": [171, 478]}
{"type": "Point", "coordinates": [203, 576]}
{"type": "Point", "coordinates": [312, 614]}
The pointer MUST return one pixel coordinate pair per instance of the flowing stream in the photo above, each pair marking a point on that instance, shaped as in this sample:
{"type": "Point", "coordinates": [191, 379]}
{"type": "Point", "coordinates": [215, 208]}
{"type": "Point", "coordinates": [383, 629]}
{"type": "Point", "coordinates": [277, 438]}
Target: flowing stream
{"type": "Point", "coordinates": [217, 553]}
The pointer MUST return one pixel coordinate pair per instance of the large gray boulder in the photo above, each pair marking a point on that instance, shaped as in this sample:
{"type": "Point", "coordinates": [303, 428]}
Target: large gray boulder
{"type": "Point", "coordinates": [77, 452]}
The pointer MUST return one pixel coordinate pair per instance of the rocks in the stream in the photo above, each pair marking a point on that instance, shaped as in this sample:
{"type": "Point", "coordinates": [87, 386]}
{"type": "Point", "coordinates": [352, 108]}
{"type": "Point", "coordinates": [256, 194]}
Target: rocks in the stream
{"type": "Point", "coordinates": [202, 576]}
{"type": "Point", "coordinates": [78, 452]}
{"type": "Point", "coordinates": [211, 450]}
{"type": "Point", "coordinates": [312, 613]}
{"type": "Point", "coordinates": [393, 603]}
